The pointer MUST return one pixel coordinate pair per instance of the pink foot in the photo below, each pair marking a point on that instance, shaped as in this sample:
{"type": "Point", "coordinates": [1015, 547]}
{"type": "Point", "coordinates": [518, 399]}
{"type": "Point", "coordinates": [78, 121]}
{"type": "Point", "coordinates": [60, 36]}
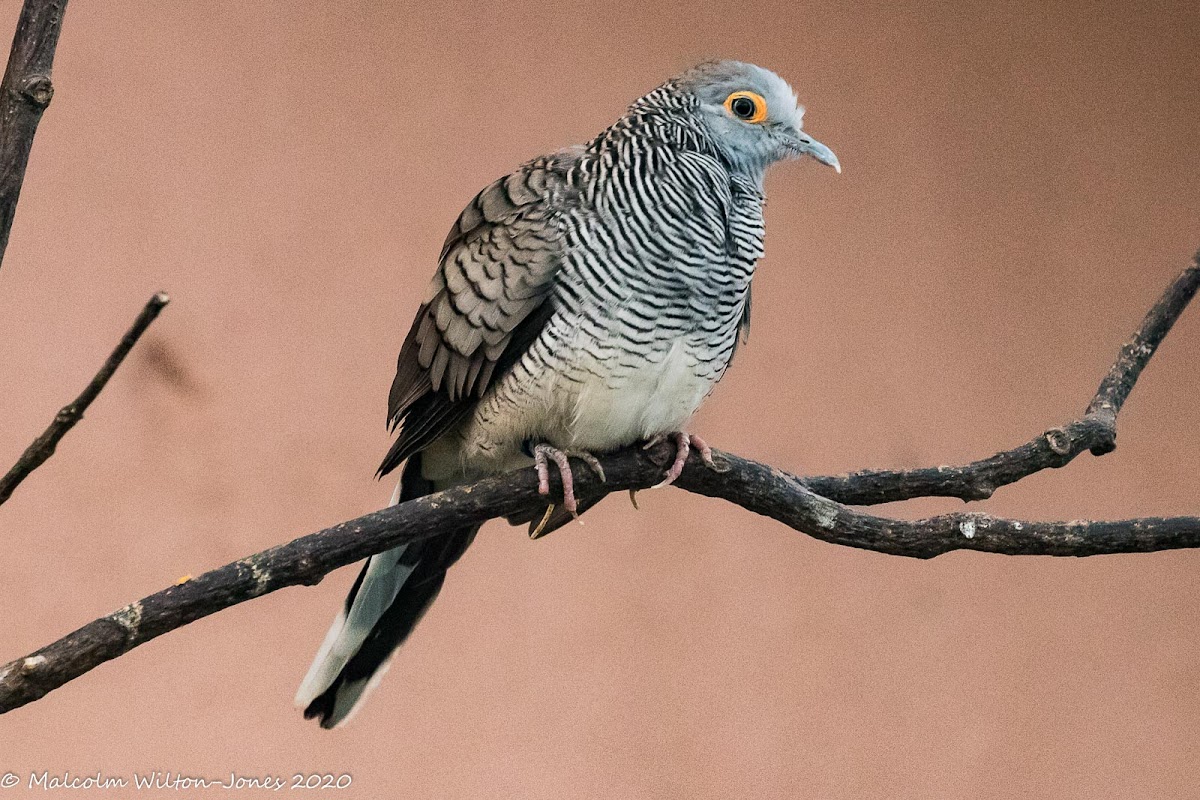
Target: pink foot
{"type": "Point", "coordinates": [544, 453]}
{"type": "Point", "coordinates": [684, 442]}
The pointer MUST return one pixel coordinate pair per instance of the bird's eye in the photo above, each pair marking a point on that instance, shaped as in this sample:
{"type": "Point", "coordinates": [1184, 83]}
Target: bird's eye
{"type": "Point", "coordinates": [747, 106]}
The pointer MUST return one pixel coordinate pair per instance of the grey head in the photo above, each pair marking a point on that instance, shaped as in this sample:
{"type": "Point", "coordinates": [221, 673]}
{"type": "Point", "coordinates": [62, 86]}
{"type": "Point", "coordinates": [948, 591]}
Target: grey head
{"type": "Point", "coordinates": [750, 114]}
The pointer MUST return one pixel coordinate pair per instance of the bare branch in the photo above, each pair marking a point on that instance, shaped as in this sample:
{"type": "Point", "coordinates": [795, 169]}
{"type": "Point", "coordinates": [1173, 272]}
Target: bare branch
{"type": "Point", "coordinates": [756, 487]}
{"type": "Point", "coordinates": [43, 446]}
{"type": "Point", "coordinates": [1095, 431]}
{"type": "Point", "coordinates": [24, 95]}
{"type": "Point", "coordinates": [1136, 353]}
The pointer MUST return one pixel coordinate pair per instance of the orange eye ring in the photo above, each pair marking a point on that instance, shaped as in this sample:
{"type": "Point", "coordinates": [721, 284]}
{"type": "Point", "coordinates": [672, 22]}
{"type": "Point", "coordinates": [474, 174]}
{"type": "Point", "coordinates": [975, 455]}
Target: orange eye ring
{"type": "Point", "coordinates": [747, 106]}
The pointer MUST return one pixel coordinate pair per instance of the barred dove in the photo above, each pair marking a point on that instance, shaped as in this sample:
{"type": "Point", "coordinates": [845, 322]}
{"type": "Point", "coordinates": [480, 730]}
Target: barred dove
{"type": "Point", "coordinates": [590, 300]}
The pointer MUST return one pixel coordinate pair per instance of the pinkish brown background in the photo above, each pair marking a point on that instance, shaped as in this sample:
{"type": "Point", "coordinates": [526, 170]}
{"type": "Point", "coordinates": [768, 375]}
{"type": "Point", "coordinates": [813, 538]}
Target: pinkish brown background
{"type": "Point", "coordinates": [1020, 184]}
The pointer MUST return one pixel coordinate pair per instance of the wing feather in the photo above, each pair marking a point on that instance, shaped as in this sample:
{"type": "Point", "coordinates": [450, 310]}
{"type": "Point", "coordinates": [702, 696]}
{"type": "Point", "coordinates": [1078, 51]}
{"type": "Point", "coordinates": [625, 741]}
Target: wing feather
{"type": "Point", "coordinates": [485, 306]}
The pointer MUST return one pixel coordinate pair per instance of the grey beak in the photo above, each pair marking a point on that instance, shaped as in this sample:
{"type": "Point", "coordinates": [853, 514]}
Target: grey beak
{"type": "Point", "coordinates": [806, 145]}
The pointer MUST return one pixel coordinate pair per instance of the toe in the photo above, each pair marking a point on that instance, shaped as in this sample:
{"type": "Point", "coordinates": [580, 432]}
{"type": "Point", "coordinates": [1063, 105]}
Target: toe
{"type": "Point", "coordinates": [541, 526]}
{"type": "Point", "coordinates": [595, 465]}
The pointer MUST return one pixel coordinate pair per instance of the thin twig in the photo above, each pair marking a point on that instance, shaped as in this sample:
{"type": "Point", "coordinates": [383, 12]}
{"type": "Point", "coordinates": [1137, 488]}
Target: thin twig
{"type": "Point", "coordinates": [1096, 430]}
{"type": "Point", "coordinates": [755, 487]}
{"type": "Point", "coordinates": [24, 94]}
{"type": "Point", "coordinates": [1136, 353]}
{"type": "Point", "coordinates": [43, 446]}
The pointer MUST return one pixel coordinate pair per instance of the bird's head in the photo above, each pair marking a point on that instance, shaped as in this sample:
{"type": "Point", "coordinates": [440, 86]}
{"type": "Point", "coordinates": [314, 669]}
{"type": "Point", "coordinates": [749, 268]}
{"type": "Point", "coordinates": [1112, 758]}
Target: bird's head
{"type": "Point", "coordinates": [751, 115]}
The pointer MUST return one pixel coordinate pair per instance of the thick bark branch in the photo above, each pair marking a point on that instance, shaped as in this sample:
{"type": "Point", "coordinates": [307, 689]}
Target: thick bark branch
{"type": "Point", "coordinates": [43, 446]}
{"type": "Point", "coordinates": [24, 94]}
{"type": "Point", "coordinates": [756, 487]}
{"type": "Point", "coordinates": [810, 506]}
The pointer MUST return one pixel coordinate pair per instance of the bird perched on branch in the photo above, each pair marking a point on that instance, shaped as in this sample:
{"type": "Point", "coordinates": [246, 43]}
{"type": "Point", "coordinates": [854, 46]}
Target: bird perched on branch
{"type": "Point", "coordinates": [587, 301]}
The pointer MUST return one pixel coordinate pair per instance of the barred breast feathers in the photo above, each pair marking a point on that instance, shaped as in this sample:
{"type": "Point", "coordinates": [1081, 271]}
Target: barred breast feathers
{"type": "Point", "coordinates": [587, 264]}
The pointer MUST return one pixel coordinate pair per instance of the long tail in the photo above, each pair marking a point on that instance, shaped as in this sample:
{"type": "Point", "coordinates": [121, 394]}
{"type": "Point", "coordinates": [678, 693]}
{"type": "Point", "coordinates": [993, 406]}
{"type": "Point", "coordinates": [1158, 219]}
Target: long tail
{"type": "Point", "coordinates": [387, 601]}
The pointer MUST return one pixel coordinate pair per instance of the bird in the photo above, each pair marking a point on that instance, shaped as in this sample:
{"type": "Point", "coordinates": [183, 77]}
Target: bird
{"type": "Point", "coordinates": [587, 301]}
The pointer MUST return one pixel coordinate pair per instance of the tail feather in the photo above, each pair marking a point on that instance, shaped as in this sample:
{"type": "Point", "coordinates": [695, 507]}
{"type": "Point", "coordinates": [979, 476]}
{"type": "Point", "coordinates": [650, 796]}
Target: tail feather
{"type": "Point", "coordinates": [392, 593]}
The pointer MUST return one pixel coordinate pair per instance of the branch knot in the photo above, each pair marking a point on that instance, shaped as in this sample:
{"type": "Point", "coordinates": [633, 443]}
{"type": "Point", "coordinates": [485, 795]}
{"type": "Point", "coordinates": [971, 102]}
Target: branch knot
{"type": "Point", "coordinates": [1059, 441]}
{"type": "Point", "coordinates": [37, 90]}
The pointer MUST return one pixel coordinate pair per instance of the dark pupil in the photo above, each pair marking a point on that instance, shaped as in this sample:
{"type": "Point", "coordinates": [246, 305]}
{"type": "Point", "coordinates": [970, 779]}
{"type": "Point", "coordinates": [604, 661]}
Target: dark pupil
{"type": "Point", "coordinates": [743, 107]}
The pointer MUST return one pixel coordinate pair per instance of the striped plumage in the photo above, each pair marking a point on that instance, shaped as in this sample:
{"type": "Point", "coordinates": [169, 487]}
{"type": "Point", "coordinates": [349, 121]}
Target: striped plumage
{"type": "Point", "coordinates": [591, 299]}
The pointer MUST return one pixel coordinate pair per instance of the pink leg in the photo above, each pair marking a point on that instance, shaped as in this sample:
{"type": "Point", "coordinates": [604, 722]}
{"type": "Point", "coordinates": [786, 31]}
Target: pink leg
{"type": "Point", "coordinates": [683, 446]}
{"type": "Point", "coordinates": [706, 453]}
{"type": "Point", "coordinates": [684, 442]}
{"type": "Point", "coordinates": [543, 453]}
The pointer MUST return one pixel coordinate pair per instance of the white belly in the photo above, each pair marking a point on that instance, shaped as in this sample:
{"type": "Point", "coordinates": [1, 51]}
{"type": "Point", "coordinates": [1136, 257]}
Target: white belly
{"type": "Point", "coordinates": [658, 397]}
{"type": "Point", "coordinates": [605, 407]}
